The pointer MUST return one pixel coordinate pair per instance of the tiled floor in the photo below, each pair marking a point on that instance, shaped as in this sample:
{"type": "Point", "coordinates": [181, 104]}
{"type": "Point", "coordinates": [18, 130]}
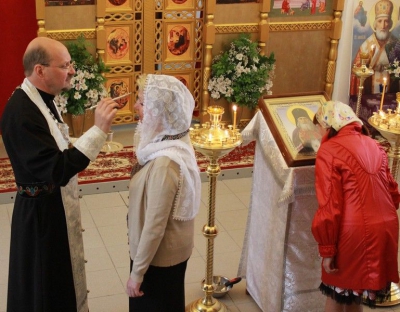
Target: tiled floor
{"type": "Point", "coordinates": [104, 220]}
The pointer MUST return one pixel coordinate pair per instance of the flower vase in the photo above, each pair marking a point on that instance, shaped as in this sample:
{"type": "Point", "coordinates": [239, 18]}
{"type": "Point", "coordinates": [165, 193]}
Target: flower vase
{"type": "Point", "coordinates": [77, 124]}
{"type": "Point", "coordinates": [89, 120]}
{"type": "Point", "coordinates": [67, 118]}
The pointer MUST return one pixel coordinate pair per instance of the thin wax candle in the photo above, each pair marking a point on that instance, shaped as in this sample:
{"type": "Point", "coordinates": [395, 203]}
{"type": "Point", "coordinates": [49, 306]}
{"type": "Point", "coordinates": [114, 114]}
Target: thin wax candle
{"type": "Point", "coordinates": [383, 93]}
{"type": "Point", "coordinates": [234, 107]}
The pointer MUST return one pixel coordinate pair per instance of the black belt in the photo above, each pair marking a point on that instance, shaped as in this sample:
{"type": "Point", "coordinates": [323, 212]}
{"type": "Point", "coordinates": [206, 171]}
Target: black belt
{"type": "Point", "coordinates": [35, 190]}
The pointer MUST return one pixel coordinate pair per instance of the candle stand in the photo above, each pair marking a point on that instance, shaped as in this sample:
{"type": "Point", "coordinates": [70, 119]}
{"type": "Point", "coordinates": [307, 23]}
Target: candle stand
{"type": "Point", "coordinates": [388, 125]}
{"type": "Point", "coordinates": [362, 72]}
{"type": "Point", "coordinates": [213, 141]}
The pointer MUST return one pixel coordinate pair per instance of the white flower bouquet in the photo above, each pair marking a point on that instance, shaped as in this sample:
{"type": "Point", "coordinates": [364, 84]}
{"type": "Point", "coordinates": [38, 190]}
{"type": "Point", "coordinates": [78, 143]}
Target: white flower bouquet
{"type": "Point", "coordinates": [87, 85]}
{"type": "Point", "coordinates": [241, 74]}
{"type": "Point", "coordinates": [394, 69]}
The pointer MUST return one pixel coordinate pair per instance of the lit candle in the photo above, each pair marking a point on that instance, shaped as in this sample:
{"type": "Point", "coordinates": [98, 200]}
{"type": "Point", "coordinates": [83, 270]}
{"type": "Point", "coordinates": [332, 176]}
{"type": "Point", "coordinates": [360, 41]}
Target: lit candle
{"type": "Point", "coordinates": [234, 107]}
{"type": "Point", "coordinates": [383, 93]}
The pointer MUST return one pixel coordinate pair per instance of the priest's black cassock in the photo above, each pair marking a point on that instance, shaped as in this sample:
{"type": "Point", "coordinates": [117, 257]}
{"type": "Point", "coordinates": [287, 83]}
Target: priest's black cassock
{"type": "Point", "coordinates": [40, 273]}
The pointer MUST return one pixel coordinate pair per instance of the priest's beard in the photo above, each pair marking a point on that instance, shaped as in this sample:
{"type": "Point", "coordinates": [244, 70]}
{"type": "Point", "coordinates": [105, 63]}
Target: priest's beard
{"type": "Point", "coordinates": [309, 126]}
{"type": "Point", "coordinates": [306, 125]}
{"type": "Point", "coordinates": [382, 34]}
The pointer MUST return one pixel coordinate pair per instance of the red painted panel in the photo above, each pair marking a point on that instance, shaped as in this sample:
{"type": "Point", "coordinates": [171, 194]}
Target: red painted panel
{"type": "Point", "coordinates": [19, 27]}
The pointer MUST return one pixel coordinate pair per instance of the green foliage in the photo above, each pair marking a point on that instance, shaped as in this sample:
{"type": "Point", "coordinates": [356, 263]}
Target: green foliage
{"type": "Point", "coordinates": [241, 74]}
{"type": "Point", "coordinates": [87, 85]}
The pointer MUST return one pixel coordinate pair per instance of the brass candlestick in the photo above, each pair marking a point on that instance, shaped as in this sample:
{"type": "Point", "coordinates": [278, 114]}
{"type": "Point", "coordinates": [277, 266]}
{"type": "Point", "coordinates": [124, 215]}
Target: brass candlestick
{"type": "Point", "coordinates": [213, 141]}
{"type": "Point", "coordinates": [388, 125]}
{"type": "Point", "coordinates": [362, 72]}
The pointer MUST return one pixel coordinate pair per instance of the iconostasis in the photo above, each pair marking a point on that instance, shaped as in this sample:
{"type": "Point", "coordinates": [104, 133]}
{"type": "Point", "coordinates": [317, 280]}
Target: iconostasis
{"type": "Point", "coordinates": [133, 37]}
{"type": "Point", "coordinates": [180, 38]}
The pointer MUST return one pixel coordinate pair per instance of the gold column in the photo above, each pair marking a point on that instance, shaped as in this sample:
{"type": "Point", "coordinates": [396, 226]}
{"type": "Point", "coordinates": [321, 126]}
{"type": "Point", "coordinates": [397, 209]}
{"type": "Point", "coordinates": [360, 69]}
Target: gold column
{"type": "Point", "coordinates": [40, 17]}
{"type": "Point", "coordinates": [101, 39]}
{"type": "Point", "coordinates": [209, 40]}
{"type": "Point", "coordinates": [333, 51]}
{"type": "Point", "coordinates": [149, 35]}
{"type": "Point", "coordinates": [263, 26]}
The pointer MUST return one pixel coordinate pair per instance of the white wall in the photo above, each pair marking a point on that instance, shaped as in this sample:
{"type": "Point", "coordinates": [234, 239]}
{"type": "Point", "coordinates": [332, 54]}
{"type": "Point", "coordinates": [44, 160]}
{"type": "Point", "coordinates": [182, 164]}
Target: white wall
{"type": "Point", "coordinates": [341, 85]}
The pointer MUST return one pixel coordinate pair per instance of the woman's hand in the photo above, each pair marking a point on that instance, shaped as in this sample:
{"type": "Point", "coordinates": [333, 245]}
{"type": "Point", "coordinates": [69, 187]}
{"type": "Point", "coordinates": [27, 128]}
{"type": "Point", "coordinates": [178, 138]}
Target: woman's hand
{"type": "Point", "coordinates": [133, 288]}
{"type": "Point", "coordinates": [329, 265]}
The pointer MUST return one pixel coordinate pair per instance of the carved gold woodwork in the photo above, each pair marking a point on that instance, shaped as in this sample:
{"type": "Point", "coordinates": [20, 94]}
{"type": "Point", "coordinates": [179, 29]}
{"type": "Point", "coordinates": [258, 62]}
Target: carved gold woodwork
{"type": "Point", "coordinates": [333, 52]}
{"type": "Point", "coordinates": [119, 17]}
{"type": "Point", "coordinates": [281, 26]}
{"type": "Point", "coordinates": [300, 26]}
{"type": "Point", "coordinates": [208, 42]}
{"type": "Point", "coordinates": [263, 31]}
{"type": "Point", "coordinates": [62, 35]}
{"type": "Point", "coordinates": [236, 28]}
{"type": "Point", "coordinates": [147, 53]}
{"type": "Point", "coordinates": [146, 50]}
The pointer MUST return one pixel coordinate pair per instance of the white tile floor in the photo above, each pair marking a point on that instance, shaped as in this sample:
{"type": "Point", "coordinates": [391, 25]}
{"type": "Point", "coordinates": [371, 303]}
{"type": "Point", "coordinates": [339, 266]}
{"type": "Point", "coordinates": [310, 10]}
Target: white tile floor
{"type": "Point", "coordinates": [106, 249]}
{"type": "Point", "coordinates": [104, 220]}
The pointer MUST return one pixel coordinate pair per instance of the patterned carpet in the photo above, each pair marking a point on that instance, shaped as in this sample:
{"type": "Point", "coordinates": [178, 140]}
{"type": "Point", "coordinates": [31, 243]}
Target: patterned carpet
{"type": "Point", "coordinates": [117, 166]}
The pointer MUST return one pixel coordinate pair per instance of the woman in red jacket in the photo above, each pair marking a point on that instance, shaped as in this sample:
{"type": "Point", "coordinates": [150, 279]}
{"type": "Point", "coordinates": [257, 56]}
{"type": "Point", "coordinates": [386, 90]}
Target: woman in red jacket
{"type": "Point", "coordinates": [356, 224]}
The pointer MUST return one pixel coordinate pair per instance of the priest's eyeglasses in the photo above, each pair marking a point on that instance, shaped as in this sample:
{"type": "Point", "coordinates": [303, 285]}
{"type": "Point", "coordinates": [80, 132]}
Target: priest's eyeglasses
{"type": "Point", "coordinates": [67, 66]}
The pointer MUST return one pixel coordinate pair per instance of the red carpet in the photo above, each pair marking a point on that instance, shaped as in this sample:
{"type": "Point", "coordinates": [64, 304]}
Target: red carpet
{"type": "Point", "coordinates": [117, 166]}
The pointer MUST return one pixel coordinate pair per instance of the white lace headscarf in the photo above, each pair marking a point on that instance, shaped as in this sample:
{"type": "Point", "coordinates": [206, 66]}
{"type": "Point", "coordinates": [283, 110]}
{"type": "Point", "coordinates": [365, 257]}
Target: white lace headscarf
{"type": "Point", "coordinates": [167, 110]}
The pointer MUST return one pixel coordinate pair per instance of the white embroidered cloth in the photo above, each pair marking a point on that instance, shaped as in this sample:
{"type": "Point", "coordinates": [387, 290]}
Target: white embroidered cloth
{"type": "Point", "coordinates": [280, 258]}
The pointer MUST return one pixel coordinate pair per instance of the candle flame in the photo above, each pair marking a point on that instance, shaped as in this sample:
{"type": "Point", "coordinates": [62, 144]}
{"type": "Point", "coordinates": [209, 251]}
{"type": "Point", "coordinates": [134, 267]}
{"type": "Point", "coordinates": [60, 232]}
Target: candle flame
{"type": "Point", "coordinates": [384, 80]}
{"type": "Point", "coordinates": [234, 107]}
